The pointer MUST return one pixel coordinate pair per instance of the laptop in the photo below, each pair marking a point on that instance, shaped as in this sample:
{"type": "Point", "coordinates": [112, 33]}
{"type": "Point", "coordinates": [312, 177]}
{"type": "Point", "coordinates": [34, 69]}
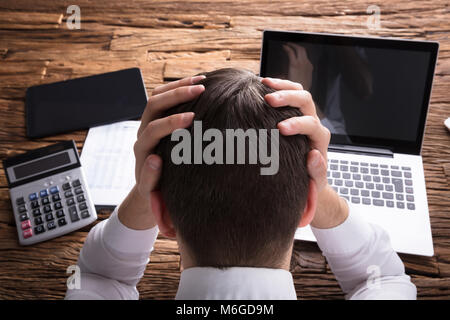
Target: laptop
{"type": "Point", "coordinates": [373, 95]}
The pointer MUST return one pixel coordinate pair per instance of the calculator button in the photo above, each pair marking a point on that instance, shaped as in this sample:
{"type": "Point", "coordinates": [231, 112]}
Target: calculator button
{"type": "Point", "coordinates": [59, 213]}
{"type": "Point", "coordinates": [22, 208]}
{"type": "Point", "coordinates": [32, 196]}
{"type": "Point", "coordinates": [62, 222]}
{"type": "Point", "coordinates": [23, 217]}
{"type": "Point", "coordinates": [34, 204]}
{"type": "Point", "coordinates": [20, 201]}
{"type": "Point", "coordinates": [66, 186]}
{"type": "Point", "coordinates": [51, 225]}
{"type": "Point", "coordinates": [45, 201]}
{"type": "Point", "coordinates": [54, 190]}
{"type": "Point", "coordinates": [43, 193]}
{"type": "Point", "coordinates": [39, 229]}
{"type": "Point", "coordinates": [38, 220]}
{"type": "Point", "coordinates": [49, 217]}
{"type": "Point", "coordinates": [73, 214]}
{"type": "Point", "coordinates": [47, 209]}
{"type": "Point", "coordinates": [81, 198]}
{"type": "Point", "coordinates": [85, 214]}
{"type": "Point", "coordinates": [56, 197]}
{"type": "Point", "coordinates": [57, 205]}
{"type": "Point", "coordinates": [68, 194]}
{"type": "Point", "coordinates": [70, 201]}
{"type": "Point", "coordinates": [25, 224]}
{"type": "Point", "coordinates": [27, 233]}
{"type": "Point", "coordinates": [76, 183]}
{"type": "Point", "coordinates": [78, 190]}
{"type": "Point", "coordinates": [82, 206]}
{"type": "Point", "coordinates": [36, 212]}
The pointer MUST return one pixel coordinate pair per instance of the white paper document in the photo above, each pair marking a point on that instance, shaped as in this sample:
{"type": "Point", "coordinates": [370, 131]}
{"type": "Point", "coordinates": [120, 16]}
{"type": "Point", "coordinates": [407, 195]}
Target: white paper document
{"type": "Point", "coordinates": [108, 161]}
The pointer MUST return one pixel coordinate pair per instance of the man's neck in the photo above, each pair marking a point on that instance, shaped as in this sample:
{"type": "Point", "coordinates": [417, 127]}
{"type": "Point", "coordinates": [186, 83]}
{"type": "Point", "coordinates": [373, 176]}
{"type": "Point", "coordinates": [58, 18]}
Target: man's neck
{"type": "Point", "coordinates": [236, 283]}
{"type": "Point", "coordinates": [187, 262]}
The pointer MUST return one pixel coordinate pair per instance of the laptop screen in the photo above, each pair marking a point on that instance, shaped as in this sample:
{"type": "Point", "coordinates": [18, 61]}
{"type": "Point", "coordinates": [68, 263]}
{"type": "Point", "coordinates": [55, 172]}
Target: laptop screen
{"type": "Point", "coordinates": [368, 91]}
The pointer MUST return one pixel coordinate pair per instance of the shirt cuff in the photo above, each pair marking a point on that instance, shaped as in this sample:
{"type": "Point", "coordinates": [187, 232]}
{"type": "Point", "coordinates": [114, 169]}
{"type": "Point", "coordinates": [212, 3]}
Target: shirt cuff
{"type": "Point", "coordinates": [348, 237]}
{"type": "Point", "coordinates": [123, 239]}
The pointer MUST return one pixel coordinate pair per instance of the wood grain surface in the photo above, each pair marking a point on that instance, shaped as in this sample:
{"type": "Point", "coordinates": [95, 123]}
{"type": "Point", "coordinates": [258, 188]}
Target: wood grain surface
{"type": "Point", "coordinates": [173, 39]}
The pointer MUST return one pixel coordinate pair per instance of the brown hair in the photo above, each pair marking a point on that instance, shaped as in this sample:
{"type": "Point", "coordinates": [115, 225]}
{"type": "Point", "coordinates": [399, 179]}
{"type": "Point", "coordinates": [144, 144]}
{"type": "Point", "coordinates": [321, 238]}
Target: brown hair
{"type": "Point", "coordinates": [229, 214]}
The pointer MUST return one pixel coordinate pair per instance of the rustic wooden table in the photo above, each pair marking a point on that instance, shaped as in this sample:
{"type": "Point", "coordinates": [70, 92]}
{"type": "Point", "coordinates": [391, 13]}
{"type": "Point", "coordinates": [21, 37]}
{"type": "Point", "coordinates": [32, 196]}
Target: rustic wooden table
{"type": "Point", "coordinates": [173, 39]}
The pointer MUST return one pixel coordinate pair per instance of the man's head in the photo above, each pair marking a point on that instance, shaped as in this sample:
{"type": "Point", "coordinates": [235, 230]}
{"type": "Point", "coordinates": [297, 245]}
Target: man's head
{"type": "Point", "coordinates": [230, 214]}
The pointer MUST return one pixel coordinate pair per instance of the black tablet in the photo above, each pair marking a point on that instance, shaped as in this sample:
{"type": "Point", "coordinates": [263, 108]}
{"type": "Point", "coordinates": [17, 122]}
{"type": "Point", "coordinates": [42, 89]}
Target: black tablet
{"type": "Point", "coordinates": [84, 102]}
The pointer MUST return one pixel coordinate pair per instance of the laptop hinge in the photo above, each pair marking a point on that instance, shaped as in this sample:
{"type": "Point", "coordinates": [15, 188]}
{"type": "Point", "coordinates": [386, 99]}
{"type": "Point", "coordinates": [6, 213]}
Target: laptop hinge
{"type": "Point", "coordinates": [368, 151]}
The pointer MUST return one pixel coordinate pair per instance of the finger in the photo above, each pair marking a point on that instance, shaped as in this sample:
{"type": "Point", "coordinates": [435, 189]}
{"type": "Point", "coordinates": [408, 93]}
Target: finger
{"type": "Point", "coordinates": [301, 52]}
{"type": "Point", "coordinates": [150, 174]}
{"type": "Point", "coordinates": [280, 84]}
{"type": "Point", "coordinates": [166, 100]}
{"type": "Point", "coordinates": [155, 131]}
{"type": "Point", "coordinates": [290, 52]}
{"type": "Point", "coordinates": [160, 128]}
{"type": "Point", "coordinates": [300, 99]}
{"type": "Point", "coordinates": [309, 126]}
{"type": "Point", "coordinates": [317, 168]}
{"type": "Point", "coordinates": [179, 83]}
{"type": "Point", "coordinates": [306, 125]}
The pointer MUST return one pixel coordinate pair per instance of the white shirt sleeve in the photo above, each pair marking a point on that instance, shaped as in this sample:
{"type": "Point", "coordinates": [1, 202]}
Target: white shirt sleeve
{"type": "Point", "coordinates": [363, 261]}
{"type": "Point", "coordinates": [113, 260]}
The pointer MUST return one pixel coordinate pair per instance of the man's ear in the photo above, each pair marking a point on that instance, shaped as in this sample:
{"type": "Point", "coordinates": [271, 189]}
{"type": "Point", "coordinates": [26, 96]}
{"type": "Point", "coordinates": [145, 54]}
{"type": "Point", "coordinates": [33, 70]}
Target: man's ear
{"type": "Point", "coordinates": [311, 205]}
{"type": "Point", "coordinates": [161, 215]}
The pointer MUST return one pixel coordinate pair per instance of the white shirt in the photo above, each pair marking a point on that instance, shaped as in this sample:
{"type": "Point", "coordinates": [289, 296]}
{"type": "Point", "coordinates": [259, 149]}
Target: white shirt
{"type": "Point", "coordinates": [114, 258]}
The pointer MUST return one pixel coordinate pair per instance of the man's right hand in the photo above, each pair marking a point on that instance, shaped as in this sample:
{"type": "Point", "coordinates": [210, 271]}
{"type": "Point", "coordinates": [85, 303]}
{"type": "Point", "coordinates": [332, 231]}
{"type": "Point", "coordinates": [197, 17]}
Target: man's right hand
{"type": "Point", "coordinates": [135, 211]}
{"type": "Point", "coordinates": [331, 209]}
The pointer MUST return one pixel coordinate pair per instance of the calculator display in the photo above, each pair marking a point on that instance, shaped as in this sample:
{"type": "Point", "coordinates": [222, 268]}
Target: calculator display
{"type": "Point", "coordinates": [40, 165]}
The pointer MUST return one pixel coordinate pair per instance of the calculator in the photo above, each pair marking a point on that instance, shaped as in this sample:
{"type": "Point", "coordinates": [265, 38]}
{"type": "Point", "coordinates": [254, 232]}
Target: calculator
{"type": "Point", "coordinates": [49, 193]}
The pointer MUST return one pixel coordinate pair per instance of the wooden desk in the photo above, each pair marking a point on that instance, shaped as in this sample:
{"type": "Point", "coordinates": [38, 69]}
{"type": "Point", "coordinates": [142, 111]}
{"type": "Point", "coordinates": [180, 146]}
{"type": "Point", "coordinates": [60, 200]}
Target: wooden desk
{"type": "Point", "coordinates": [173, 39]}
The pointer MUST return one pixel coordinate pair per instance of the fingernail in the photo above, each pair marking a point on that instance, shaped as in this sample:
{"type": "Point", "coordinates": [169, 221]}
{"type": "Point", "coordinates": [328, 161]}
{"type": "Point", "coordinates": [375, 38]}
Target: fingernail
{"type": "Point", "coordinates": [197, 89]}
{"type": "Point", "coordinates": [276, 95]}
{"type": "Point", "coordinates": [197, 78]}
{"type": "Point", "coordinates": [187, 117]}
{"type": "Point", "coordinates": [154, 163]}
{"type": "Point", "coordinates": [286, 125]}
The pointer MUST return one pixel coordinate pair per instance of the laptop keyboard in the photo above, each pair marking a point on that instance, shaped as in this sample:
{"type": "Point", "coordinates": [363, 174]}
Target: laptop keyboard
{"type": "Point", "coordinates": [372, 184]}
